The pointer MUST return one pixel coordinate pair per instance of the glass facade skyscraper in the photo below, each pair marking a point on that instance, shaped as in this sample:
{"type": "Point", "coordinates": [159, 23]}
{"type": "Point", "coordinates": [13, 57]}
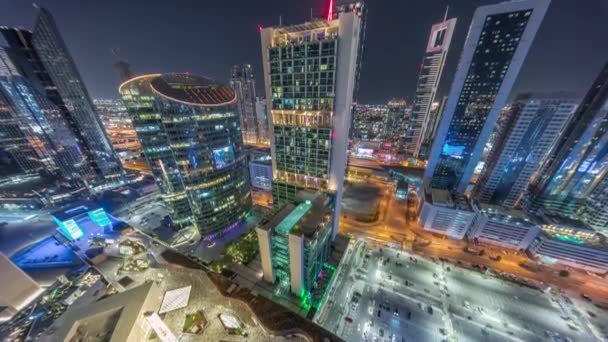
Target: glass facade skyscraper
{"type": "Point", "coordinates": [421, 122]}
{"type": "Point", "coordinates": [189, 131]}
{"type": "Point", "coordinates": [28, 132]}
{"type": "Point", "coordinates": [523, 140]}
{"type": "Point", "coordinates": [498, 41]}
{"type": "Point", "coordinates": [310, 72]}
{"type": "Point", "coordinates": [243, 83]}
{"type": "Point", "coordinates": [51, 145]}
{"type": "Point", "coordinates": [76, 104]}
{"type": "Point", "coordinates": [574, 172]}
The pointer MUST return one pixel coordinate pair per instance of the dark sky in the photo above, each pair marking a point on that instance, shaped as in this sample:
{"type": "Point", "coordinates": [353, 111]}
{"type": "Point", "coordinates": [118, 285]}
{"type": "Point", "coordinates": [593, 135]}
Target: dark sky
{"type": "Point", "coordinates": [207, 37]}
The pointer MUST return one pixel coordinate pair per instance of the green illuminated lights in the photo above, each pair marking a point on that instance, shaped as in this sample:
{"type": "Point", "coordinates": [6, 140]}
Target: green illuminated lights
{"type": "Point", "coordinates": [294, 217]}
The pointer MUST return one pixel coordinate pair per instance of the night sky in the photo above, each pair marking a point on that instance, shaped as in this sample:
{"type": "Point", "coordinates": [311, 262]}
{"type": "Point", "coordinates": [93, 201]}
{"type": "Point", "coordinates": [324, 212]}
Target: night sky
{"type": "Point", "coordinates": [207, 37]}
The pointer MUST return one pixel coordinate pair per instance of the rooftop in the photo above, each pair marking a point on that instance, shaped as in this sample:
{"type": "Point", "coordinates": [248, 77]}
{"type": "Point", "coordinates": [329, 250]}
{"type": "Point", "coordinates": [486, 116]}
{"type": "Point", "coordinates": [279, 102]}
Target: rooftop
{"type": "Point", "coordinates": [305, 217]}
{"type": "Point", "coordinates": [445, 198]}
{"type": "Point", "coordinates": [516, 217]}
{"type": "Point", "coordinates": [293, 218]}
{"type": "Point", "coordinates": [362, 198]}
{"type": "Point", "coordinates": [188, 89]}
{"type": "Point", "coordinates": [316, 24]}
{"type": "Point", "coordinates": [114, 318]}
{"type": "Point", "coordinates": [574, 232]}
{"type": "Point", "coordinates": [314, 217]}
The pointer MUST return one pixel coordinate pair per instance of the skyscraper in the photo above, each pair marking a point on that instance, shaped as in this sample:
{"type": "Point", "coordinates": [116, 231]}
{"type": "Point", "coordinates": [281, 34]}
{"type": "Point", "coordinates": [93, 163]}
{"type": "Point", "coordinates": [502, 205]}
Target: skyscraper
{"type": "Point", "coordinates": [497, 43]}
{"type": "Point", "coordinates": [428, 80]}
{"type": "Point", "coordinates": [523, 139]}
{"type": "Point", "coordinates": [432, 126]}
{"type": "Point", "coordinates": [243, 83]}
{"type": "Point", "coordinates": [310, 74]}
{"type": "Point", "coordinates": [83, 117]}
{"type": "Point", "coordinates": [575, 170]}
{"type": "Point", "coordinates": [261, 112]}
{"type": "Point", "coordinates": [29, 130]}
{"type": "Point", "coordinates": [189, 131]}
{"type": "Point", "coordinates": [593, 211]}
{"type": "Point", "coordinates": [43, 59]}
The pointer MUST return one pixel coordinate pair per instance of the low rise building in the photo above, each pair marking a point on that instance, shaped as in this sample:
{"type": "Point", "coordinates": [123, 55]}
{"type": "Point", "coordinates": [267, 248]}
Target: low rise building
{"type": "Point", "coordinates": [505, 228]}
{"type": "Point", "coordinates": [295, 242]}
{"type": "Point", "coordinates": [571, 244]}
{"type": "Point", "coordinates": [361, 202]}
{"type": "Point", "coordinates": [126, 316]}
{"type": "Point", "coordinates": [446, 213]}
{"type": "Point", "coordinates": [17, 289]}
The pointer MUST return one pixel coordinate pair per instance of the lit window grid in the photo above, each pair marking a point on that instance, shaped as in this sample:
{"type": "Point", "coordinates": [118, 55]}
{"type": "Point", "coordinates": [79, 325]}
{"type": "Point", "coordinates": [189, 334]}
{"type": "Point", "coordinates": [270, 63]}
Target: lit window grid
{"type": "Point", "coordinates": [496, 46]}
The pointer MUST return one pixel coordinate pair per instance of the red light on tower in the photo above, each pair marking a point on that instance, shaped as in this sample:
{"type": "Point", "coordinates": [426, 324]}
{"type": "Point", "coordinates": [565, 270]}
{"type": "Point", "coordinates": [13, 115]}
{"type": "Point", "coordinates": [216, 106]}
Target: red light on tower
{"type": "Point", "coordinates": [260, 28]}
{"type": "Point", "coordinates": [330, 12]}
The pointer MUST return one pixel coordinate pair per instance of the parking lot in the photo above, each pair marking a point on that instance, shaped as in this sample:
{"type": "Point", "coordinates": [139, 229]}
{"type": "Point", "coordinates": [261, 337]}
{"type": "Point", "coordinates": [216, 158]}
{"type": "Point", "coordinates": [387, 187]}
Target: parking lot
{"type": "Point", "coordinates": [389, 294]}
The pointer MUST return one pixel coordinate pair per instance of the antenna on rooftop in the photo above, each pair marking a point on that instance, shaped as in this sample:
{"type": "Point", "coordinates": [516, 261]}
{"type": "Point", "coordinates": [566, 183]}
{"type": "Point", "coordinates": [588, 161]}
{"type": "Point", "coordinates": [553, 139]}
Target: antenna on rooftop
{"type": "Point", "coordinates": [445, 16]}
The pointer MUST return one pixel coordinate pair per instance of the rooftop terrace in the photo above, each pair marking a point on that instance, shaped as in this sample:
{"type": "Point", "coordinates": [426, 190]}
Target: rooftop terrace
{"type": "Point", "coordinates": [293, 218]}
{"type": "Point", "coordinates": [304, 217]}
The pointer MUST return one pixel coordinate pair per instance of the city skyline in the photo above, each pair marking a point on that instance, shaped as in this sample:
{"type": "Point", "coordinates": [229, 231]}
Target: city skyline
{"type": "Point", "coordinates": [204, 205]}
{"type": "Point", "coordinates": [383, 76]}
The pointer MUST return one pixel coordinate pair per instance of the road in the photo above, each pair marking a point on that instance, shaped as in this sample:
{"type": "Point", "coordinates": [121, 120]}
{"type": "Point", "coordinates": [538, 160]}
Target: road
{"type": "Point", "coordinates": [261, 198]}
{"type": "Point", "coordinates": [393, 227]}
{"type": "Point", "coordinates": [139, 165]}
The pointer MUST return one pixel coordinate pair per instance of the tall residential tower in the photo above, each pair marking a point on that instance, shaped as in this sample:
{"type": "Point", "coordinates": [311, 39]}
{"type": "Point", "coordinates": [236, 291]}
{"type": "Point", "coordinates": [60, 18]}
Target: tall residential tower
{"type": "Point", "coordinates": [498, 41]}
{"type": "Point", "coordinates": [523, 140]}
{"type": "Point", "coordinates": [243, 83]}
{"type": "Point", "coordinates": [310, 71]}
{"type": "Point", "coordinates": [421, 122]}
{"type": "Point", "coordinates": [572, 179]}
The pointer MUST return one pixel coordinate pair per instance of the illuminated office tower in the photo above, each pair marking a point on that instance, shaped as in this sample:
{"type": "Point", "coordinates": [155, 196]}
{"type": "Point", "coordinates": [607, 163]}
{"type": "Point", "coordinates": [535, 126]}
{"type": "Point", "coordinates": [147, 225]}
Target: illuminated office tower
{"type": "Point", "coordinates": [75, 103]}
{"type": "Point", "coordinates": [497, 43]}
{"type": "Point", "coordinates": [244, 85]}
{"type": "Point", "coordinates": [431, 128]}
{"type": "Point", "coordinates": [310, 71]}
{"type": "Point", "coordinates": [574, 172]}
{"type": "Point", "coordinates": [31, 129]}
{"type": "Point", "coordinates": [188, 128]}
{"type": "Point", "coordinates": [523, 141]}
{"type": "Point", "coordinates": [426, 88]}
{"type": "Point", "coordinates": [16, 137]}
{"type": "Point", "coordinates": [261, 112]}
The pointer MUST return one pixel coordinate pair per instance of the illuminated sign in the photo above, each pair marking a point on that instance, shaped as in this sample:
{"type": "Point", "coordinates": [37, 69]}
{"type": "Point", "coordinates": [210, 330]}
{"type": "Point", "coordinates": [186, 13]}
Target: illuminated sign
{"type": "Point", "coordinates": [453, 151]}
{"type": "Point", "coordinates": [100, 217]}
{"type": "Point", "coordinates": [69, 229]}
{"type": "Point", "coordinates": [365, 152]}
{"type": "Point", "coordinates": [440, 37]}
{"type": "Point", "coordinates": [223, 156]}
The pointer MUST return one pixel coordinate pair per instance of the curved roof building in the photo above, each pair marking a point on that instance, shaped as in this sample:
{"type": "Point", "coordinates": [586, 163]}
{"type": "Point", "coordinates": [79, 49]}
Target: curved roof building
{"type": "Point", "coordinates": [189, 131]}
